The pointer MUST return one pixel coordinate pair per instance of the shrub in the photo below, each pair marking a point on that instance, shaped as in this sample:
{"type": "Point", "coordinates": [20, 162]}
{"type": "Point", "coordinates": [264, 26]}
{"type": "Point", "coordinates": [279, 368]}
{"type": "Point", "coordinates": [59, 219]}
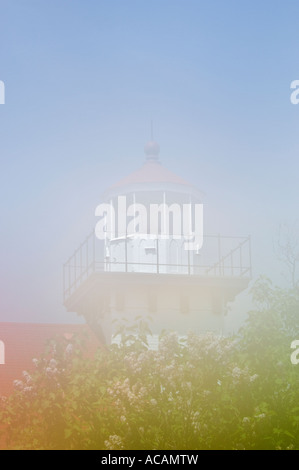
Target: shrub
{"type": "Point", "coordinates": [199, 392]}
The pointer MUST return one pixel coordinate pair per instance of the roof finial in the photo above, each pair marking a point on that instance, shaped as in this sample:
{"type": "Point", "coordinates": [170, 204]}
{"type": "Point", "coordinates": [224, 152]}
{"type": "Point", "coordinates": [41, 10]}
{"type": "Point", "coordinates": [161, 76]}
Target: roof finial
{"type": "Point", "coordinates": [152, 149]}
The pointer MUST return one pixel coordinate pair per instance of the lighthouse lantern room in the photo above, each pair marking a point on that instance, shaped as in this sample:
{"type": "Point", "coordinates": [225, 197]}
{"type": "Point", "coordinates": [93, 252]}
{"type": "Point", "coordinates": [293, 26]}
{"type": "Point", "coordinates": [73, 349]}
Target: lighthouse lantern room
{"type": "Point", "coordinates": [143, 262]}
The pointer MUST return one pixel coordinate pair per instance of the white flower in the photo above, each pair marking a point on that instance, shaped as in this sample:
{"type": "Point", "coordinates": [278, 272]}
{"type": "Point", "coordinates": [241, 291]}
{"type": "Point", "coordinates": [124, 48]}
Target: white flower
{"type": "Point", "coordinates": [236, 373]}
{"type": "Point", "coordinates": [27, 377]}
{"type": "Point", "coordinates": [18, 384]}
{"type": "Point", "coordinates": [246, 420]}
{"type": "Point", "coordinates": [51, 371]}
{"type": "Point", "coordinates": [69, 349]}
{"type": "Point", "coordinates": [53, 363]}
{"type": "Point", "coordinates": [261, 416]}
{"type": "Point", "coordinates": [153, 402]}
{"type": "Point", "coordinates": [114, 443]}
{"type": "Point", "coordinates": [253, 378]}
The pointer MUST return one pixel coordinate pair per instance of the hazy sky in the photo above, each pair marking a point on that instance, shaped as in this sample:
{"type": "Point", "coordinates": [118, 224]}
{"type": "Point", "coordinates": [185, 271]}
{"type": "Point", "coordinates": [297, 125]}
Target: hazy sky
{"type": "Point", "coordinates": [83, 81]}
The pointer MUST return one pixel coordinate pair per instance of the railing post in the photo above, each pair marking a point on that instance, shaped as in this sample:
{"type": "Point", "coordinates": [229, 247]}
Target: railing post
{"type": "Point", "coordinates": [241, 261]}
{"type": "Point", "coordinates": [87, 265]}
{"type": "Point", "coordinates": [157, 255]}
{"type": "Point", "coordinates": [63, 281]}
{"type": "Point", "coordinates": [126, 252]}
{"type": "Point", "coordinates": [250, 265]}
{"type": "Point", "coordinates": [219, 255]}
{"type": "Point", "coordinates": [75, 270]}
{"type": "Point", "coordinates": [94, 251]}
{"type": "Point", "coordinates": [81, 262]}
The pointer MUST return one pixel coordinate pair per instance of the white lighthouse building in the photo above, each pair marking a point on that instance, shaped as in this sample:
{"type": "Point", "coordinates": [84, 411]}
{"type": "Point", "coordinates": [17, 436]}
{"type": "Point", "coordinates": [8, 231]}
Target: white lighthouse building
{"type": "Point", "coordinates": [154, 259]}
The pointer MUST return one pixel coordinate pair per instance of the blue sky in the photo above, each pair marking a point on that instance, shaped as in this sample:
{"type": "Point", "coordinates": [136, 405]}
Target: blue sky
{"type": "Point", "coordinates": [83, 81]}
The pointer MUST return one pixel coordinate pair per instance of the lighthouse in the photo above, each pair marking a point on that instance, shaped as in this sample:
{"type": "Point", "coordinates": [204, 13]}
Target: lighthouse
{"type": "Point", "coordinates": [149, 256]}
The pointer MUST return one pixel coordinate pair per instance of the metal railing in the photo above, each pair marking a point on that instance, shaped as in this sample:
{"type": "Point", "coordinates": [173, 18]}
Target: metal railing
{"type": "Point", "coordinates": [220, 256]}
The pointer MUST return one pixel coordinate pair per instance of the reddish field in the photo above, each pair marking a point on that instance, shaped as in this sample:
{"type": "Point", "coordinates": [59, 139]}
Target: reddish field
{"type": "Point", "coordinates": [25, 341]}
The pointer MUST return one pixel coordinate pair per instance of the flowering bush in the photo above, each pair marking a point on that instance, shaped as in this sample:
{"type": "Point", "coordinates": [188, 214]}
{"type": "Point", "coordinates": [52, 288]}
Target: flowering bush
{"type": "Point", "coordinates": [199, 392]}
